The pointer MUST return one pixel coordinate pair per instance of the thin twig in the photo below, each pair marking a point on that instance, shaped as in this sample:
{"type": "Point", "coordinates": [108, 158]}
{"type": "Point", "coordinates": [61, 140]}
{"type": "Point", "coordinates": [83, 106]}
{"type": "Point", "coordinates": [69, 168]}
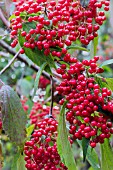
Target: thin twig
{"type": "Point", "coordinates": [4, 54]}
{"type": "Point", "coordinates": [5, 21]}
{"type": "Point", "coordinates": [9, 49]}
{"type": "Point", "coordinates": [10, 63]}
{"type": "Point", "coordinates": [52, 96]}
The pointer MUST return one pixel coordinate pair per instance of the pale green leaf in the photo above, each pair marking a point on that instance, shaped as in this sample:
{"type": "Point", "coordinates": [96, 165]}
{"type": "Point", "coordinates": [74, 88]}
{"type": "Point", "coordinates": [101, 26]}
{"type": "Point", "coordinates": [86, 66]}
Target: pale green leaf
{"type": "Point", "coordinates": [63, 145]}
{"type": "Point", "coordinates": [94, 45]}
{"type": "Point", "coordinates": [38, 77]}
{"type": "Point", "coordinates": [18, 162]}
{"type": "Point", "coordinates": [110, 82]}
{"type": "Point", "coordinates": [21, 163]}
{"type": "Point", "coordinates": [106, 156]}
{"type": "Point", "coordinates": [106, 62]}
{"type": "Point", "coordinates": [15, 159]}
{"type": "Point", "coordinates": [76, 47]}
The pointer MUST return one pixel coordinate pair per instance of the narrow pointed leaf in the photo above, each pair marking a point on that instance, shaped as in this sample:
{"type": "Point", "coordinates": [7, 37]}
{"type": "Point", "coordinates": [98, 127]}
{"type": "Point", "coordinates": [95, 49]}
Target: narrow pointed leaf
{"type": "Point", "coordinates": [76, 47]}
{"type": "Point", "coordinates": [38, 77]}
{"type": "Point", "coordinates": [21, 163]}
{"type": "Point", "coordinates": [106, 156]}
{"type": "Point", "coordinates": [18, 162]}
{"type": "Point", "coordinates": [13, 116]}
{"type": "Point", "coordinates": [107, 62]}
{"type": "Point", "coordinates": [63, 145]}
{"type": "Point", "coordinates": [85, 144]}
{"type": "Point", "coordinates": [91, 157]}
{"type": "Point", "coordinates": [94, 45]}
{"type": "Point", "coordinates": [15, 160]}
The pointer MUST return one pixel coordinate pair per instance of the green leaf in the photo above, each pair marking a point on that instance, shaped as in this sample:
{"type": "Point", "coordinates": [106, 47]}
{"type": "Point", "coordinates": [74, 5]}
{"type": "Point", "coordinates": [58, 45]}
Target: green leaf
{"type": "Point", "coordinates": [63, 145]}
{"type": "Point", "coordinates": [15, 159]}
{"type": "Point", "coordinates": [105, 82]}
{"type": "Point", "coordinates": [13, 116]}
{"type": "Point", "coordinates": [110, 82]}
{"type": "Point", "coordinates": [21, 163]}
{"type": "Point", "coordinates": [106, 156]}
{"type": "Point", "coordinates": [94, 45]}
{"type": "Point", "coordinates": [76, 47]}
{"type": "Point", "coordinates": [38, 77]}
{"type": "Point", "coordinates": [107, 62]}
{"type": "Point", "coordinates": [91, 157]}
{"type": "Point", "coordinates": [102, 82]}
{"type": "Point", "coordinates": [12, 17]}
{"type": "Point", "coordinates": [85, 144]}
{"type": "Point", "coordinates": [28, 25]}
{"type": "Point", "coordinates": [30, 130]}
{"type": "Point", "coordinates": [18, 162]}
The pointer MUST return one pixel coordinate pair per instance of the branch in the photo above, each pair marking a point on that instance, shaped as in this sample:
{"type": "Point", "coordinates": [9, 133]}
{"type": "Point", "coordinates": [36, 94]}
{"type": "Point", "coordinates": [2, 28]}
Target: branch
{"type": "Point", "coordinates": [4, 54]}
{"type": "Point", "coordinates": [5, 21]}
{"type": "Point", "coordinates": [20, 58]}
{"type": "Point", "coordinates": [10, 63]}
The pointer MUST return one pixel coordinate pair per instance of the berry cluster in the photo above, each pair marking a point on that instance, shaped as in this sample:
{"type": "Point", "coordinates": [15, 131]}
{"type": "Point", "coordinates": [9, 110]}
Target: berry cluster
{"type": "Point", "coordinates": [87, 101]}
{"type": "Point", "coordinates": [41, 150]}
{"type": "Point", "coordinates": [39, 111]}
{"type": "Point", "coordinates": [55, 26]}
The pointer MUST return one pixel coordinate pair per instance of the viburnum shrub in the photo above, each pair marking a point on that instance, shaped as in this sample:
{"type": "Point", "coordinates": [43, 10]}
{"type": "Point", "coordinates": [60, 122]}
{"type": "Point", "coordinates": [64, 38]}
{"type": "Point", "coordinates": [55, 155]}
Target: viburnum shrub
{"type": "Point", "coordinates": [46, 31]}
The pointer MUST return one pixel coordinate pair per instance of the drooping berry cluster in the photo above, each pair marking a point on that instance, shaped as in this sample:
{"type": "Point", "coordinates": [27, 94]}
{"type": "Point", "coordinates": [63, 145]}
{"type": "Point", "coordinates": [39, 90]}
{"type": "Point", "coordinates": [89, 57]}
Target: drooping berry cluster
{"type": "Point", "coordinates": [41, 150]}
{"type": "Point", "coordinates": [55, 26]}
{"type": "Point", "coordinates": [88, 104]}
{"type": "Point", "coordinates": [39, 111]}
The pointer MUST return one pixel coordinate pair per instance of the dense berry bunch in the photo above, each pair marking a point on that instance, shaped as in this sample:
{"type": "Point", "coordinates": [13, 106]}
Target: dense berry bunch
{"type": "Point", "coordinates": [55, 26]}
{"type": "Point", "coordinates": [87, 101]}
{"type": "Point", "coordinates": [41, 150]}
{"type": "Point", "coordinates": [39, 111]}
